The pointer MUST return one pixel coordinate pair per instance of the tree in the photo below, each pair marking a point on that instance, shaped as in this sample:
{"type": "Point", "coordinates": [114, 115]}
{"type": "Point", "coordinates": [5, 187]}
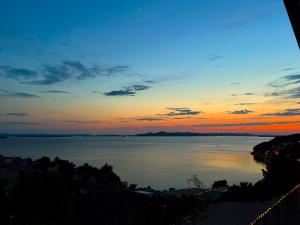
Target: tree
{"type": "Point", "coordinates": [195, 182]}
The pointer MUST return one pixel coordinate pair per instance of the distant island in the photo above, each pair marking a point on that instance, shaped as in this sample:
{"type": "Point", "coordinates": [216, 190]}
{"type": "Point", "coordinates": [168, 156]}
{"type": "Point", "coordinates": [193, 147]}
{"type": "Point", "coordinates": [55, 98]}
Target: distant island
{"type": "Point", "coordinates": [171, 134]}
{"type": "Point", "coordinates": [150, 134]}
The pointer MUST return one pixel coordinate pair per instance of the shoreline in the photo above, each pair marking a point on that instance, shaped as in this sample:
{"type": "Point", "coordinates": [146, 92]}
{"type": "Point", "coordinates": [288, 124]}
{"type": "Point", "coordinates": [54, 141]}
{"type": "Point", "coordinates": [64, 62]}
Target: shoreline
{"type": "Point", "coordinates": [157, 134]}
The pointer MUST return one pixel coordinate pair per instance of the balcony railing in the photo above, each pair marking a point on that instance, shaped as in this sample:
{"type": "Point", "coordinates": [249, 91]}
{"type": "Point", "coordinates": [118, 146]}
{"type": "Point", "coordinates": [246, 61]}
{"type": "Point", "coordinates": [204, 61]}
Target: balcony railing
{"type": "Point", "coordinates": [286, 211]}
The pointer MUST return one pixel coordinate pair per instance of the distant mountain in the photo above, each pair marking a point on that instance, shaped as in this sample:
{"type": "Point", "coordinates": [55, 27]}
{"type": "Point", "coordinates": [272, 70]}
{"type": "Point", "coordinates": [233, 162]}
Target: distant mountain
{"type": "Point", "coordinates": [155, 134]}
{"type": "Point", "coordinates": [171, 134]}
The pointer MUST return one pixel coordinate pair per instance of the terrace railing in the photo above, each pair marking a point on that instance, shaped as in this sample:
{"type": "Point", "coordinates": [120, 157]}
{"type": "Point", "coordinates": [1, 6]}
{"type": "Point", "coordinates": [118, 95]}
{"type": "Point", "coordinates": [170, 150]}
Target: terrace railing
{"type": "Point", "coordinates": [285, 211]}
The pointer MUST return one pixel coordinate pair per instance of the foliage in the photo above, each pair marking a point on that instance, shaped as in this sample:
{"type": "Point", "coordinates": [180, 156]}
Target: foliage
{"type": "Point", "coordinates": [220, 183]}
{"type": "Point", "coordinates": [57, 192]}
{"type": "Point", "coordinates": [195, 182]}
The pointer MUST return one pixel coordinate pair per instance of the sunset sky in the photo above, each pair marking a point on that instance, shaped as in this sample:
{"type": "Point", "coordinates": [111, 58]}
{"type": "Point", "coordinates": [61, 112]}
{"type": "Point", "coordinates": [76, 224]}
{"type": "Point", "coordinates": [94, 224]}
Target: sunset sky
{"type": "Point", "coordinates": [134, 66]}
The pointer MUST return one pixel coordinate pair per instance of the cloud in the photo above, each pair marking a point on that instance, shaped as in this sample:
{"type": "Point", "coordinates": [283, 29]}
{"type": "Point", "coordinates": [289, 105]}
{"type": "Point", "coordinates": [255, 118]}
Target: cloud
{"type": "Point", "coordinates": [6, 93]}
{"type": "Point", "coordinates": [287, 112]}
{"type": "Point", "coordinates": [139, 87]}
{"type": "Point", "coordinates": [241, 112]}
{"type": "Point", "coordinates": [149, 119]}
{"type": "Point", "coordinates": [182, 118]}
{"type": "Point", "coordinates": [285, 81]}
{"type": "Point", "coordinates": [150, 81]}
{"type": "Point", "coordinates": [120, 93]}
{"type": "Point", "coordinates": [18, 123]}
{"type": "Point", "coordinates": [290, 93]}
{"type": "Point", "coordinates": [113, 70]}
{"type": "Point", "coordinates": [286, 87]}
{"type": "Point", "coordinates": [245, 103]}
{"type": "Point", "coordinates": [56, 92]}
{"type": "Point", "coordinates": [16, 114]}
{"type": "Point", "coordinates": [288, 68]}
{"type": "Point", "coordinates": [127, 91]}
{"type": "Point", "coordinates": [243, 17]}
{"type": "Point", "coordinates": [51, 75]}
{"type": "Point", "coordinates": [66, 69]}
{"type": "Point", "coordinates": [235, 83]}
{"type": "Point", "coordinates": [214, 58]}
{"type": "Point", "coordinates": [292, 77]}
{"type": "Point", "coordinates": [245, 94]}
{"type": "Point", "coordinates": [251, 124]}
{"type": "Point", "coordinates": [17, 73]}
{"type": "Point", "coordinates": [82, 121]}
{"type": "Point", "coordinates": [181, 112]}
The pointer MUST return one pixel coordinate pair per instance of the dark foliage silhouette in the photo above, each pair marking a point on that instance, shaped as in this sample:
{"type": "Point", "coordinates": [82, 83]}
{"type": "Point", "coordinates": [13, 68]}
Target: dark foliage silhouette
{"type": "Point", "coordinates": [57, 192]}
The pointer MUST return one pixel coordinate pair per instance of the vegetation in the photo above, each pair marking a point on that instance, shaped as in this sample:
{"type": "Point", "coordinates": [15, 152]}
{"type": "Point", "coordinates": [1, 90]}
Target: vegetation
{"type": "Point", "coordinates": [281, 156]}
{"type": "Point", "coordinates": [57, 192]}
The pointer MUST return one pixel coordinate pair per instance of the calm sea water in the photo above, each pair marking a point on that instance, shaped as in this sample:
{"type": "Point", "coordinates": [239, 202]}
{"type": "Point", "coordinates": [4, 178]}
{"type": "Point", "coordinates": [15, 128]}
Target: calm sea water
{"type": "Point", "coordinates": [161, 162]}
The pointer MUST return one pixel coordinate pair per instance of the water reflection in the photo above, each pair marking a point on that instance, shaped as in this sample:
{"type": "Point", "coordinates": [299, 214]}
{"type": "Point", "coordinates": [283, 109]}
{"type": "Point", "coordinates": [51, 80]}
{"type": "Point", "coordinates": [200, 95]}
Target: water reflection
{"type": "Point", "coordinates": [157, 161]}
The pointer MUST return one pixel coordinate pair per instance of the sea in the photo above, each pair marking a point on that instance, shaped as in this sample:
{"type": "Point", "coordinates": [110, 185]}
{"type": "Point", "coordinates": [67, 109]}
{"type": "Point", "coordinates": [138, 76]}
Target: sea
{"type": "Point", "coordinates": [159, 162]}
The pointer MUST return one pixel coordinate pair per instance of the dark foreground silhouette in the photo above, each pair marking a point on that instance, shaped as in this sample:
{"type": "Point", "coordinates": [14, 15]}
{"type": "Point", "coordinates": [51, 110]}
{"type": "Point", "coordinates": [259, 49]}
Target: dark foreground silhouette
{"type": "Point", "coordinates": [281, 156]}
{"type": "Point", "coordinates": [57, 192]}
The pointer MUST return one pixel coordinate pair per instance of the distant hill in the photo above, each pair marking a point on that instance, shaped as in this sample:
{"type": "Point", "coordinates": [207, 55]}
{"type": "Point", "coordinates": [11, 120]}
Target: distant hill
{"type": "Point", "coordinates": [285, 146]}
{"type": "Point", "coordinates": [171, 134]}
{"type": "Point", "coordinates": [155, 134]}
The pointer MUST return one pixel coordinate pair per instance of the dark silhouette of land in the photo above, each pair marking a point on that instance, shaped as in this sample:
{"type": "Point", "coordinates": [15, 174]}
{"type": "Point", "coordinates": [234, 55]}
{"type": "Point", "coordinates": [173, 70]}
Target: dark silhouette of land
{"type": "Point", "coordinates": [281, 157]}
{"type": "Point", "coordinates": [150, 134]}
{"type": "Point", "coordinates": [45, 191]}
{"type": "Point", "coordinates": [172, 134]}
{"type": "Point", "coordinates": [272, 200]}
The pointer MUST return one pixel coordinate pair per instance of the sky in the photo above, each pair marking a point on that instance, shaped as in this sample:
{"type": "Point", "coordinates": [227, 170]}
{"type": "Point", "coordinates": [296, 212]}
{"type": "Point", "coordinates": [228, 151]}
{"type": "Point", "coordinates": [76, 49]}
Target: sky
{"type": "Point", "coordinates": [126, 67]}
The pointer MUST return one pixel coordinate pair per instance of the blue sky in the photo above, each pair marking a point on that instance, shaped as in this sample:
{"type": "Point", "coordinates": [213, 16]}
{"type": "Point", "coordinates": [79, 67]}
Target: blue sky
{"type": "Point", "coordinates": [128, 60]}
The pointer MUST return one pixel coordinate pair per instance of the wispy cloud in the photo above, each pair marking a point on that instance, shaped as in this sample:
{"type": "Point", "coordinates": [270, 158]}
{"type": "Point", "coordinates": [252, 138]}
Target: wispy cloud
{"type": "Point", "coordinates": [123, 92]}
{"type": "Point", "coordinates": [294, 78]}
{"type": "Point", "coordinates": [183, 118]}
{"type": "Point", "coordinates": [245, 103]}
{"type": "Point", "coordinates": [6, 93]}
{"type": "Point", "coordinates": [244, 94]}
{"type": "Point", "coordinates": [214, 58]}
{"type": "Point", "coordinates": [67, 69]}
{"type": "Point", "coordinates": [56, 92]}
{"type": "Point", "coordinates": [285, 87]}
{"type": "Point", "coordinates": [285, 81]}
{"type": "Point", "coordinates": [287, 112]}
{"type": "Point", "coordinates": [128, 91]}
{"type": "Point", "coordinates": [150, 81]}
{"type": "Point", "coordinates": [286, 93]}
{"type": "Point", "coordinates": [244, 17]}
{"type": "Point", "coordinates": [16, 114]}
{"type": "Point", "coordinates": [82, 121]}
{"type": "Point", "coordinates": [288, 68]}
{"type": "Point", "coordinates": [241, 112]}
{"type": "Point", "coordinates": [17, 73]}
{"type": "Point", "coordinates": [149, 119]}
{"type": "Point", "coordinates": [18, 123]}
{"type": "Point", "coordinates": [181, 111]}
{"type": "Point", "coordinates": [250, 124]}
